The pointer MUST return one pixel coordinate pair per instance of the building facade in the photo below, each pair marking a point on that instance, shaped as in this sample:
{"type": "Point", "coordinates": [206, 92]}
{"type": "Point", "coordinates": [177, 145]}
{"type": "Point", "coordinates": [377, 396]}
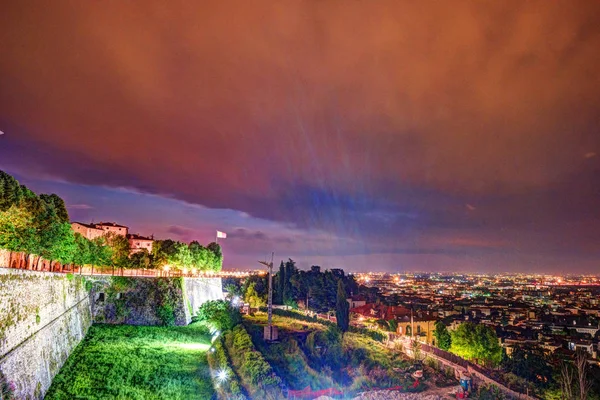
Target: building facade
{"type": "Point", "coordinates": [139, 243]}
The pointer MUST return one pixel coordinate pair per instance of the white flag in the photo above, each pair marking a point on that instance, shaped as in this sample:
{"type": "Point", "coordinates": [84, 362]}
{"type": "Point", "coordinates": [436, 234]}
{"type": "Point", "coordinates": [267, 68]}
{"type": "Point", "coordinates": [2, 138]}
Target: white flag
{"type": "Point", "coordinates": [222, 235]}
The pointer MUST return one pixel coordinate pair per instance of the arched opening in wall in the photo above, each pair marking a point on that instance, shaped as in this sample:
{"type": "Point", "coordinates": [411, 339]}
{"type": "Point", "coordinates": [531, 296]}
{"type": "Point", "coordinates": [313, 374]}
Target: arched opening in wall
{"type": "Point", "coordinates": [14, 264]}
{"type": "Point", "coordinates": [408, 331]}
{"type": "Point", "coordinates": [101, 297]}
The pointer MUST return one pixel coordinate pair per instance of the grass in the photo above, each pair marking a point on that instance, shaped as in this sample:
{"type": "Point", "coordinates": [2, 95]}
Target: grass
{"type": "Point", "coordinates": [137, 363]}
{"type": "Point", "coordinates": [285, 323]}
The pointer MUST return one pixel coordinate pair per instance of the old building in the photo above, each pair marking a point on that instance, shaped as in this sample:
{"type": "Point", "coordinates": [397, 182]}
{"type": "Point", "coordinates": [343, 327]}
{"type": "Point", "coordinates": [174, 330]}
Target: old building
{"type": "Point", "coordinates": [113, 228]}
{"type": "Point", "coordinates": [87, 231]}
{"type": "Point", "coordinates": [138, 243]}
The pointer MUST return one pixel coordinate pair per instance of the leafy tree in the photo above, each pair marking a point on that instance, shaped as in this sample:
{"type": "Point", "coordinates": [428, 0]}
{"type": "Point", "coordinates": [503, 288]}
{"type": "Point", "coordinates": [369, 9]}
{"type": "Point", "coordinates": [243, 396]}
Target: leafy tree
{"type": "Point", "coordinates": [220, 314]}
{"type": "Point", "coordinates": [342, 309]}
{"type": "Point", "coordinates": [443, 339]}
{"type": "Point", "coordinates": [11, 192]}
{"type": "Point", "coordinates": [17, 232]}
{"type": "Point", "coordinates": [253, 298]}
{"type": "Point", "coordinates": [57, 204]}
{"type": "Point", "coordinates": [184, 257]}
{"type": "Point", "coordinates": [476, 342]}
{"type": "Point", "coordinates": [141, 259]}
{"type": "Point", "coordinates": [120, 250]}
{"type": "Point", "coordinates": [163, 252]}
{"type": "Point", "coordinates": [260, 285]}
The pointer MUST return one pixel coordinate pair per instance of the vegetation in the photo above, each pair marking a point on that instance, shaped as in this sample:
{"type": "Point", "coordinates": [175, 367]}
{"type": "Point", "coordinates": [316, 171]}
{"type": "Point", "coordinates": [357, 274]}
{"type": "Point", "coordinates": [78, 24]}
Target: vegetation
{"type": "Point", "coordinates": [187, 256]}
{"type": "Point", "coordinates": [324, 358]}
{"type": "Point", "coordinates": [219, 315]}
{"type": "Point", "coordinates": [253, 298]}
{"type": "Point", "coordinates": [135, 362]}
{"type": "Point", "coordinates": [293, 286]}
{"type": "Point", "coordinates": [39, 226]}
{"type": "Point", "coordinates": [257, 375]}
{"type": "Point", "coordinates": [227, 382]}
{"type": "Point", "coordinates": [443, 340]}
{"type": "Point", "coordinates": [342, 308]}
{"type": "Point", "coordinates": [35, 225]}
{"type": "Point", "coordinates": [477, 343]}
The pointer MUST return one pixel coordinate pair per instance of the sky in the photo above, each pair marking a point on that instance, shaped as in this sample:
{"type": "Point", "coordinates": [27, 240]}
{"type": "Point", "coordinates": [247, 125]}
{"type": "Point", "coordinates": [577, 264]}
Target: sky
{"type": "Point", "coordinates": [389, 135]}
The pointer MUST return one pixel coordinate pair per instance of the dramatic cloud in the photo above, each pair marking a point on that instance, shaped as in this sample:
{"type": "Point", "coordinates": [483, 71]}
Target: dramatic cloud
{"type": "Point", "coordinates": [389, 127]}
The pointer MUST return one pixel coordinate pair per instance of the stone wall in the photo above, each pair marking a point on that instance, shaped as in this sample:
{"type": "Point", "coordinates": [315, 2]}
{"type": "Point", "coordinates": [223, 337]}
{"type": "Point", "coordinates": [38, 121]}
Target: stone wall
{"type": "Point", "coordinates": [150, 301]}
{"type": "Point", "coordinates": [200, 290]}
{"type": "Point", "coordinates": [43, 316]}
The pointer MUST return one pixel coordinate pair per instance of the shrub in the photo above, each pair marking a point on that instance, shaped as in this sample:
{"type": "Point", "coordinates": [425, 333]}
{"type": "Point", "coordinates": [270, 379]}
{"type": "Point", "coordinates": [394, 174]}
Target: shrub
{"type": "Point", "coordinates": [220, 314]}
{"type": "Point", "coordinates": [251, 365]}
{"type": "Point", "coordinates": [166, 314]}
{"type": "Point", "coordinates": [217, 359]}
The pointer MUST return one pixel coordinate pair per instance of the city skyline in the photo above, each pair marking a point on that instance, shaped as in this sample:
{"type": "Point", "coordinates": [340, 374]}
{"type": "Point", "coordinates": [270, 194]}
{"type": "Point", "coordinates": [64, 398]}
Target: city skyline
{"type": "Point", "coordinates": [393, 141]}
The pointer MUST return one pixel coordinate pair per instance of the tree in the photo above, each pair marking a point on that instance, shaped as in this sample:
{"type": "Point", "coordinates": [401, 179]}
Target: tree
{"type": "Point", "coordinates": [566, 381]}
{"type": "Point", "coordinates": [62, 247]}
{"type": "Point", "coordinates": [253, 298]}
{"type": "Point", "coordinates": [582, 367]}
{"type": "Point", "coordinates": [16, 229]}
{"type": "Point", "coordinates": [290, 270]}
{"type": "Point", "coordinates": [476, 342]}
{"type": "Point", "coordinates": [120, 250]}
{"type": "Point", "coordinates": [280, 283]}
{"type": "Point", "coordinates": [342, 309]}
{"type": "Point", "coordinates": [442, 336]}
{"type": "Point", "coordinates": [57, 204]}
{"type": "Point", "coordinates": [140, 259]}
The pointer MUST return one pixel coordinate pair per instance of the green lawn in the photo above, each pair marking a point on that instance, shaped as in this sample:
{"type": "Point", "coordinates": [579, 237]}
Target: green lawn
{"type": "Point", "coordinates": [137, 362]}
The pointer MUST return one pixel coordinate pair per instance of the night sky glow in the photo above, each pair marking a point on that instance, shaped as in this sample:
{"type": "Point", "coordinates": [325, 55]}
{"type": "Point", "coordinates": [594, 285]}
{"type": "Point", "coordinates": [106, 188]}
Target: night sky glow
{"type": "Point", "coordinates": [388, 135]}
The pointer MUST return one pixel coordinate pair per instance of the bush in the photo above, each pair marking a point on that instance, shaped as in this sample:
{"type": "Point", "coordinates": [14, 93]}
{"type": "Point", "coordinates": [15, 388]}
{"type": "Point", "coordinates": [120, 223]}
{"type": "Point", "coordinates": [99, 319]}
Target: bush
{"type": "Point", "coordinates": [166, 314]}
{"type": "Point", "coordinates": [220, 314]}
{"type": "Point", "coordinates": [218, 361]}
{"type": "Point", "coordinates": [252, 367]}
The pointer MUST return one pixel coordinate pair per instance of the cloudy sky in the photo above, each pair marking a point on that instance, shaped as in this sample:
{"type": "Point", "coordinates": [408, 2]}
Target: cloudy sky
{"type": "Point", "coordinates": [388, 135]}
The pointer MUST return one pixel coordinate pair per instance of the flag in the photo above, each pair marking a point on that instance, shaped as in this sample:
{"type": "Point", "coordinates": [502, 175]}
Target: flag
{"type": "Point", "coordinates": [221, 235]}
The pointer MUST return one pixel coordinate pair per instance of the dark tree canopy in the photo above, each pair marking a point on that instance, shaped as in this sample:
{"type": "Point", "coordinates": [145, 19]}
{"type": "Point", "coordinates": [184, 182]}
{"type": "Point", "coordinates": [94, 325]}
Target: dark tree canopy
{"type": "Point", "coordinates": [342, 307]}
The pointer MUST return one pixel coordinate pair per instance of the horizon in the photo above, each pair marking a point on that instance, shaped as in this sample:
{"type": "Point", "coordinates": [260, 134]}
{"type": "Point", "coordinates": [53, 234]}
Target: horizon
{"type": "Point", "coordinates": [409, 137]}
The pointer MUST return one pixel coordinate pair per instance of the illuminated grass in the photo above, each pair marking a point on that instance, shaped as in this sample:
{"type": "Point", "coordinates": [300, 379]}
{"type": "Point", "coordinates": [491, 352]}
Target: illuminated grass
{"type": "Point", "coordinates": [286, 323]}
{"type": "Point", "coordinates": [135, 362]}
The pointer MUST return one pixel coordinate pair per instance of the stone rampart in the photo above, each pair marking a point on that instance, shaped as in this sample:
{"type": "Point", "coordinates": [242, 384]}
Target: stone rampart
{"type": "Point", "coordinates": [43, 316]}
{"type": "Point", "coordinates": [150, 301]}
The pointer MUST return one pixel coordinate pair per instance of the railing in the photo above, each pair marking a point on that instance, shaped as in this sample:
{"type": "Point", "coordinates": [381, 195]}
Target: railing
{"type": "Point", "coordinates": [453, 358]}
{"type": "Point", "coordinates": [35, 263]}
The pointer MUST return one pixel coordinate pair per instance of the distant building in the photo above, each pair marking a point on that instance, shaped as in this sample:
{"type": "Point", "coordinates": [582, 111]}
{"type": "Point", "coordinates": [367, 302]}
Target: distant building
{"type": "Point", "coordinates": [138, 243]}
{"type": "Point", "coordinates": [87, 231]}
{"type": "Point", "coordinates": [113, 228]}
{"type": "Point", "coordinates": [356, 301]}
